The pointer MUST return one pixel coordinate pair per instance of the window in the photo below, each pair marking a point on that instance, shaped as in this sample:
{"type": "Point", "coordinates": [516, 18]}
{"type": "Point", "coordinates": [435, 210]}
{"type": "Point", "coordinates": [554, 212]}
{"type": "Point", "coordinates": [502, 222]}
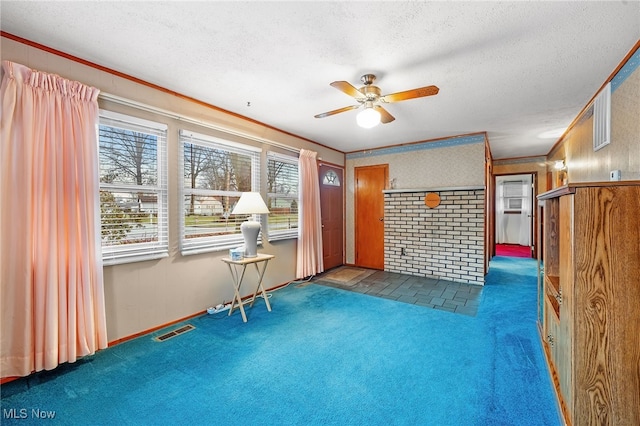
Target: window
{"type": "Point", "coordinates": [215, 174]}
{"type": "Point", "coordinates": [282, 196]}
{"type": "Point", "coordinates": [331, 178]}
{"type": "Point", "coordinates": [133, 188]}
{"type": "Point", "coordinates": [513, 204]}
{"type": "Point", "coordinates": [512, 194]}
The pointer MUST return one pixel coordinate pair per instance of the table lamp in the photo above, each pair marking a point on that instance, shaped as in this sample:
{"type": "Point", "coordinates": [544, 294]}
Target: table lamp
{"type": "Point", "coordinates": [250, 203]}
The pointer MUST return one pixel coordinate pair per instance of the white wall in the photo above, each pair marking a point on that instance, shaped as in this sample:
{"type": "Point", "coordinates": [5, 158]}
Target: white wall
{"type": "Point", "coordinates": [143, 295]}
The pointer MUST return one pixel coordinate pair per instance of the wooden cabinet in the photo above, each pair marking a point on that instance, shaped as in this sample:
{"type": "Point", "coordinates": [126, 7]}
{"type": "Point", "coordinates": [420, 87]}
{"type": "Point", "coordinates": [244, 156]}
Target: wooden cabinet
{"type": "Point", "coordinates": [590, 300]}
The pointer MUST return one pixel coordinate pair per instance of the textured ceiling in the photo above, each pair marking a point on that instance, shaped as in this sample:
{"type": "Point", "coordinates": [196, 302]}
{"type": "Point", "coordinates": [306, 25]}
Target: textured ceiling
{"type": "Point", "coordinates": [511, 69]}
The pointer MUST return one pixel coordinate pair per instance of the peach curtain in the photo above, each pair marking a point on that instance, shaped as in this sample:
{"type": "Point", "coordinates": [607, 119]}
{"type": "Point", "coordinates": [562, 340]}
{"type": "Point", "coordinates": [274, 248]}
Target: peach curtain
{"type": "Point", "coordinates": [51, 286]}
{"type": "Point", "coordinates": [309, 219]}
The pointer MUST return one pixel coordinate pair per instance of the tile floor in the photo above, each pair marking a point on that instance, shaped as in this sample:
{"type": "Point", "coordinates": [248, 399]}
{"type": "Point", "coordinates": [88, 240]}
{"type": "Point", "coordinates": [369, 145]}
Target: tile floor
{"type": "Point", "coordinates": [432, 293]}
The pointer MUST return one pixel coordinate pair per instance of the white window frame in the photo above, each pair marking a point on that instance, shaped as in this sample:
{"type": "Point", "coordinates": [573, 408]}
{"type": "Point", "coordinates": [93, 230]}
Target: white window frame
{"type": "Point", "coordinates": [189, 246]}
{"type": "Point", "coordinates": [512, 195]}
{"type": "Point", "coordinates": [137, 252]}
{"type": "Point", "coordinates": [283, 234]}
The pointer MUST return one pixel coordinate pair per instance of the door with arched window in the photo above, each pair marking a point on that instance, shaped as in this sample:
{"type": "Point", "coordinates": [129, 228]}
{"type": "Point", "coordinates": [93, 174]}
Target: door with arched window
{"type": "Point", "coordinates": [332, 212]}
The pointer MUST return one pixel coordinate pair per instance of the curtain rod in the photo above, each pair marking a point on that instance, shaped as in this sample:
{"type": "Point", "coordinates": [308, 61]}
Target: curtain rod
{"type": "Point", "coordinates": [139, 105]}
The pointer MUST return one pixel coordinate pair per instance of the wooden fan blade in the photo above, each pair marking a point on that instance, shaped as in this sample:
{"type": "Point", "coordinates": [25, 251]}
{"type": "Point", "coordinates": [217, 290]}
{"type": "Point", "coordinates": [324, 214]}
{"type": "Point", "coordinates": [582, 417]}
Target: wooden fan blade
{"type": "Point", "coordinates": [385, 117]}
{"type": "Point", "coordinates": [337, 111]}
{"type": "Point", "coordinates": [349, 89]}
{"type": "Point", "coordinates": [410, 94]}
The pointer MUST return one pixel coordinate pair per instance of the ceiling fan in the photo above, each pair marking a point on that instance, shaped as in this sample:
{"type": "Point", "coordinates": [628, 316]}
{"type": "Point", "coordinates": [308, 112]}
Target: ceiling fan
{"type": "Point", "coordinates": [370, 96]}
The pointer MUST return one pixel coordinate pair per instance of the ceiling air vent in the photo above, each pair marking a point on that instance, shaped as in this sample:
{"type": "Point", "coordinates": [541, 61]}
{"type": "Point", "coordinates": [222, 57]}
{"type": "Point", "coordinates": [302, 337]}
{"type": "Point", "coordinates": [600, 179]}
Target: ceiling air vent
{"type": "Point", "coordinates": [602, 118]}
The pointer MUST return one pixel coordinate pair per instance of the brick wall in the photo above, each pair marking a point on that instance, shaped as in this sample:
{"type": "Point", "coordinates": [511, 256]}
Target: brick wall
{"type": "Point", "coordinates": [444, 242]}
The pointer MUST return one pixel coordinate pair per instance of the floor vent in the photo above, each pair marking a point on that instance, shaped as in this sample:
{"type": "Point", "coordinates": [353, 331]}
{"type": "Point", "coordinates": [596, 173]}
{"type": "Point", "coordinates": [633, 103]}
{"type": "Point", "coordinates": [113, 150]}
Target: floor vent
{"type": "Point", "coordinates": [174, 333]}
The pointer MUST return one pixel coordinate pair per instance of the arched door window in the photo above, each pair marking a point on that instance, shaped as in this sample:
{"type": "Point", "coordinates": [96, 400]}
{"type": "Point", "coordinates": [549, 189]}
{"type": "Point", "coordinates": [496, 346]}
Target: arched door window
{"type": "Point", "coordinates": [331, 178]}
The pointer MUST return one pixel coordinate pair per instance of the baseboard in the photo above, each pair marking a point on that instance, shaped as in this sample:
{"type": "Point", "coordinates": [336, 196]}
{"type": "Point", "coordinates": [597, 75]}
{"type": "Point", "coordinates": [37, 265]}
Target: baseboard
{"type": "Point", "coordinates": [151, 330]}
{"type": "Point", "coordinates": [4, 380]}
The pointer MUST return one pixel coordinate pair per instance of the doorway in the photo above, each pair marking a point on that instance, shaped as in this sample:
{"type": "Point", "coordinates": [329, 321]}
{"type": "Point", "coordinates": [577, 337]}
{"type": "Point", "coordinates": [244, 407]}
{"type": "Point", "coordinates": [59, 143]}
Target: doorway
{"type": "Point", "coordinates": [370, 181]}
{"type": "Point", "coordinates": [515, 215]}
{"type": "Point", "coordinates": [332, 215]}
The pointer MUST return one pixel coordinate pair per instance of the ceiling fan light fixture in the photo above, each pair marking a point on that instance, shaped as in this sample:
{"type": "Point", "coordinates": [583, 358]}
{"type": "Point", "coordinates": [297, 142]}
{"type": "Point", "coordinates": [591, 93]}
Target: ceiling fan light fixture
{"type": "Point", "coordinates": [370, 97]}
{"type": "Point", "coordinates": [368, 118]}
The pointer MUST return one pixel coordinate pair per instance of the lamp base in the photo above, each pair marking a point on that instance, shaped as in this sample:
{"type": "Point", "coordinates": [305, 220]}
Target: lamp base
{"type": "Point", "coordinates": [250, 230]}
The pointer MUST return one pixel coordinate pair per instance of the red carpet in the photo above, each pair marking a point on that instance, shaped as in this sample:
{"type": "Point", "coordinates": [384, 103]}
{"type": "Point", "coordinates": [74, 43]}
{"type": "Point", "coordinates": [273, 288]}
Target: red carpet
{"type": "Point", "coordinates": [513, 250]}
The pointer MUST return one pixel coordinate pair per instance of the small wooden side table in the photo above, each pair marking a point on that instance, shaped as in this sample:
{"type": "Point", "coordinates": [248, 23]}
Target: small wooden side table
{"type": "Point", "coordinates": [237, 269]}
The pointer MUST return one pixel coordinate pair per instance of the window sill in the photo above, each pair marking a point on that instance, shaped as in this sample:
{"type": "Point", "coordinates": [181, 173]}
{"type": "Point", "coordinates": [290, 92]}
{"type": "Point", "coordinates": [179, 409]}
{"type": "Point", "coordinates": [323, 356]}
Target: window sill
{"type": "Point", "coordinates": [133, 259]}
{"type": "Point", "coordinates": [282, 238]}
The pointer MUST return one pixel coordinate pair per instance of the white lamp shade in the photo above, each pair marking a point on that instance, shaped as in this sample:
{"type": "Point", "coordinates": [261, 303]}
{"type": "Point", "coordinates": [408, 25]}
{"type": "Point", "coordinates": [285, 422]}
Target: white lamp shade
{"type": "Point", "coordinates": [250, 203]}
{"type": "Point", "coordinates": [368, 118]}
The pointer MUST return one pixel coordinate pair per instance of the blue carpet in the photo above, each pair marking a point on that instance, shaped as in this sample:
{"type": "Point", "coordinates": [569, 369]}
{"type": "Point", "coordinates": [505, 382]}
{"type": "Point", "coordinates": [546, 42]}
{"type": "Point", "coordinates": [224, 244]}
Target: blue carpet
{"type": "Point", "coordinates": [322, 356]}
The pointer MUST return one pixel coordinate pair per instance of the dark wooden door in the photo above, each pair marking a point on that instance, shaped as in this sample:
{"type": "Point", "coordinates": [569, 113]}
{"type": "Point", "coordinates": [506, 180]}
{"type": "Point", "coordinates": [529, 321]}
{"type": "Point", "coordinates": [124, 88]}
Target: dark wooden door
{"type": "Point", "coordinates": [332, 211]}
{"type": "Point", "coordinates": [370, 181]}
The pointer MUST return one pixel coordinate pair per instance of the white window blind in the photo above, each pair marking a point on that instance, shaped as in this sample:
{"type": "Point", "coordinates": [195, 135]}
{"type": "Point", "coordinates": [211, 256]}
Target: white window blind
{"type": "Point", "coordinates": [215, 174]}
{"type": "Point", "coordinates": [133, 188]}
{"type": "Point", "coordinates": [282, 196]}
{"type": "Point", "coordinates": [513, 188]}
